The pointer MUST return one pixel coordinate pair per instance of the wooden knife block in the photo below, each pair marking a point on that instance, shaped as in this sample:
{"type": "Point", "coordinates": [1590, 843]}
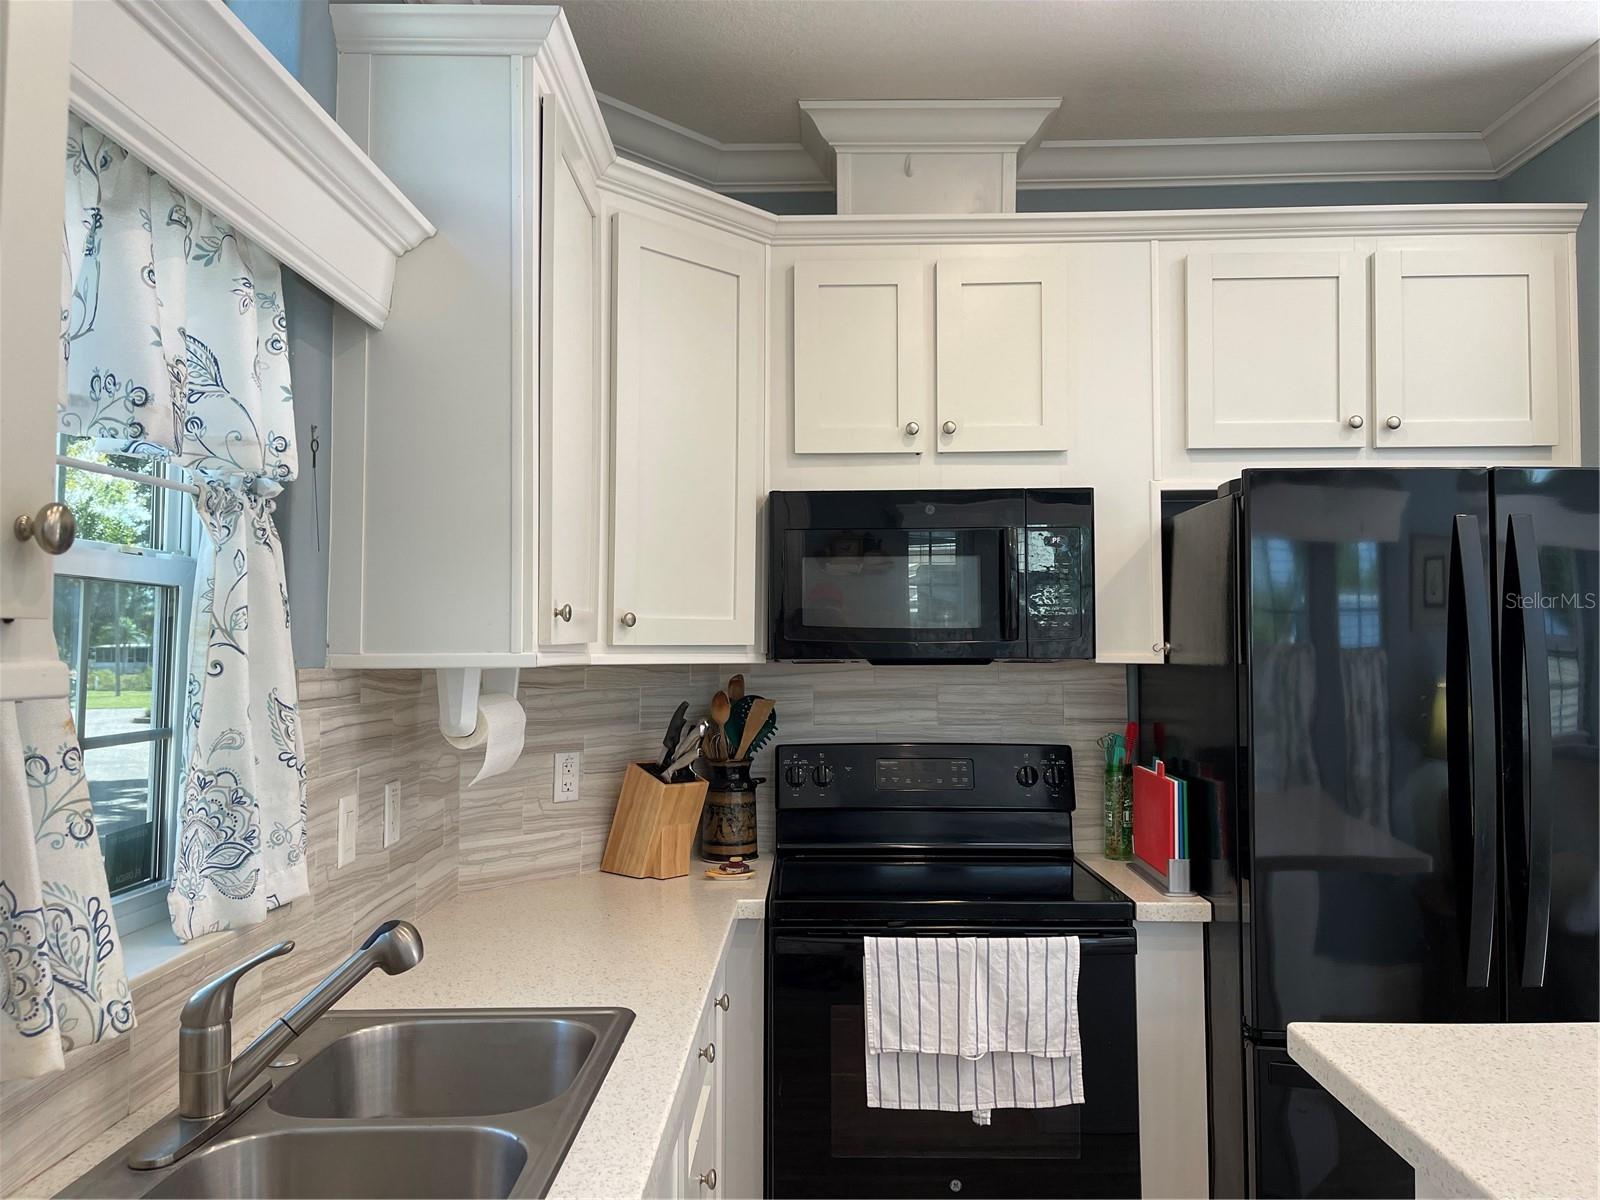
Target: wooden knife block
{"type": "Point", "coordinates": [653, 829]}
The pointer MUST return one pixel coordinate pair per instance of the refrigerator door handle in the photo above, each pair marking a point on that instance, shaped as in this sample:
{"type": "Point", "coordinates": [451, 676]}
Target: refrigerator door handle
{"type": "Point", "coordinates": [1469, 694]}
{"type": "Point", "coordinates": [1525, 697]}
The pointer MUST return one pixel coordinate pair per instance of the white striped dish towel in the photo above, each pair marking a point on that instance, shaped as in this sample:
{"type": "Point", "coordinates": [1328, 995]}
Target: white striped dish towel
{"type": "Point", "coordinates": [972, 1024]}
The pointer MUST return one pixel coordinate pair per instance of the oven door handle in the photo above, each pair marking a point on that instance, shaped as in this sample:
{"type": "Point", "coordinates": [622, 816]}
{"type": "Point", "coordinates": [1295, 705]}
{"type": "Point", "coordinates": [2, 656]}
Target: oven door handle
{"type": "Point", "coordinates": [1119, 942]}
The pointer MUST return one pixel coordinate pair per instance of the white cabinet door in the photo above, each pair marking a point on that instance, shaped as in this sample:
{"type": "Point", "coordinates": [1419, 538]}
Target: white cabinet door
{"type": "Point", "coordinates": [860, 335]}
{"type": "Point", "coordinates": [743, 1071]}
{"type": "Point", "coordinates": [569, 386]}
{"type": "Point", "coordinates": [1465, 346]}
{"type": "Point", "coordinates": [1001, 360]}
{"type": "Point", "coordinates": [688, 463]}
{"type": "Point", "coordinates": [1277, 348]}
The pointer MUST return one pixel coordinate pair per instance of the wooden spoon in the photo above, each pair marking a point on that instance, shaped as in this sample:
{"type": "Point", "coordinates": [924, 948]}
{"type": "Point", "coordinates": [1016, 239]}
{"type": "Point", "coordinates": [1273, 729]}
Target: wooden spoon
{"type": "Point", "coordinates": [721, 710]}
{"type": "Point", "coordinates": [736, 688]}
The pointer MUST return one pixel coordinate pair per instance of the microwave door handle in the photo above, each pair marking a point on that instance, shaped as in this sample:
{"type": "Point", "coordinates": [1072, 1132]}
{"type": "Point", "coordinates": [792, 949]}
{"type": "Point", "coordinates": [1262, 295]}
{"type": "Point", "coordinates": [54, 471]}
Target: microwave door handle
{"type": "Point", "coordinates": [1010, 586]}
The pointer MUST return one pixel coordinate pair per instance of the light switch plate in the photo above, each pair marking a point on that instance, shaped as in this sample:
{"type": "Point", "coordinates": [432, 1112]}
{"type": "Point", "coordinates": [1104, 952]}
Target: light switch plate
{"type": "Point", "coordinates": [391, 812]}
{"type": "Point", "coordinates": [567, 772]}
{"type": "Point", "coordinates": [347, 830]}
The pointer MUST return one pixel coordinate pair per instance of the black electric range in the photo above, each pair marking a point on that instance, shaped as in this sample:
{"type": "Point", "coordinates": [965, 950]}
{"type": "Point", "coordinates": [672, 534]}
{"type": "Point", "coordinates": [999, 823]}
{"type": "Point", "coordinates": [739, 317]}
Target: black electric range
{"type": "Point", "coordinates": [935, 840]}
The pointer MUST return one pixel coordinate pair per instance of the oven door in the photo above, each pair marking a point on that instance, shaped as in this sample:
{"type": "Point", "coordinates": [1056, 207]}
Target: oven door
{"type": "Point", "coordinates": [823, 1140]}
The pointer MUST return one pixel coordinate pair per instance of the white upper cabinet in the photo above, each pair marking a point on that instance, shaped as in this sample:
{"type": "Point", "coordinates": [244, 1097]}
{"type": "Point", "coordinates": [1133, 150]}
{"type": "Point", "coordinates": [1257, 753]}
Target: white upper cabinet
{"type": "Point", "coordinates": [1277, 349]}
{"type": "Point", "coordinates": [569, 386]}
{"type": "Point", "coordinates": [1466, 344]}
{"type": "Point", "coordinates": [1002, 368]}
{"type": "Point", "coordinates": [688, 474]}
{"type": "Point", "coordinates": [860, 375]}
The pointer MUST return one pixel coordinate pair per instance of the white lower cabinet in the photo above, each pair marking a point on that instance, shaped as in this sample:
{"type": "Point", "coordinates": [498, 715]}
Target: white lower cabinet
{"type": "Point", "coordinates": [713, 1142]}
{"type": "Point", "coordinates": [1174, 1145]}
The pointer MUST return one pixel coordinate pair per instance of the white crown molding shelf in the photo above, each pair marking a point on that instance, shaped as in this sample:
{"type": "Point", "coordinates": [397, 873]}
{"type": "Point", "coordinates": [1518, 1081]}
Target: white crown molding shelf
{"type": "Point", "coordinates": [183, 85]}
{"type": "Point", "coordinates": [711, 164]}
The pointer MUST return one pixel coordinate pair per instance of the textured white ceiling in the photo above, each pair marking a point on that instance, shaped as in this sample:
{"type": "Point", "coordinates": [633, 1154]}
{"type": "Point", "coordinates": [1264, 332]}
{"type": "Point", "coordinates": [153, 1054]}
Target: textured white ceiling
{"type": "Point", "coordinates": [734, 69]}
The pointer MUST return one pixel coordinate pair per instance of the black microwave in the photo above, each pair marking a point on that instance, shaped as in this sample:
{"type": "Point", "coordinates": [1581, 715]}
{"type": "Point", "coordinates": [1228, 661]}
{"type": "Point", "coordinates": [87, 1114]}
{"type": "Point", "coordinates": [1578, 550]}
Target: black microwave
{"type": "Point", "coordinates": [942, 576]}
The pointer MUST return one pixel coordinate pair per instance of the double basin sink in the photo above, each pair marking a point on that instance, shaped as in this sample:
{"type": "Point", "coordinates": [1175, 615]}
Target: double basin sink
{"type": "Point", "coordinates": [430, 1103]}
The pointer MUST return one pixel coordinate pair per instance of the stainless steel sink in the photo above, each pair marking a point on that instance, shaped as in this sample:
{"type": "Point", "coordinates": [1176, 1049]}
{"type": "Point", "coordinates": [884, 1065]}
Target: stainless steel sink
{"type": "Point", "coordinates": [453, 1067]}
{"type": "Point", "coordinates": [421, 1103]}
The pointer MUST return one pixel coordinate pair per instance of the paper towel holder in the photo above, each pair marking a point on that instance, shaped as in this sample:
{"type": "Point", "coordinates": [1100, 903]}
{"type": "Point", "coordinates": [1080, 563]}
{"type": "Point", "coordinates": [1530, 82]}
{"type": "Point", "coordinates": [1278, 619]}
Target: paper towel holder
{"type": "Point", "coordinates": [460, 689]}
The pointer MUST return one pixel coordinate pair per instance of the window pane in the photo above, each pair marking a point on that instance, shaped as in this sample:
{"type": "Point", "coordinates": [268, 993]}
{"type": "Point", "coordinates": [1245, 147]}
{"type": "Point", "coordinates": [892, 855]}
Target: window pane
{"type": "Point", "coordinates": [124, 790]}
{"type": "Point", "coordinates": [68, 623]}
{"type": "Point", "coordinates": [119, 670]}
{"type": "Point", "coordinates": [112, 510]}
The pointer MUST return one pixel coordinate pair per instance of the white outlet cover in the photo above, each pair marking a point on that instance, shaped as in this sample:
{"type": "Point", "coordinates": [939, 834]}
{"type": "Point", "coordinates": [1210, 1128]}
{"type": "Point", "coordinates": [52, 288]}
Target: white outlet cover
{"type": "Point", "coordinates": [348, 816]}
{"type": "Point", "coordinates": [391, 812]}
{"type": "Point", "coordinates": [568, 769]}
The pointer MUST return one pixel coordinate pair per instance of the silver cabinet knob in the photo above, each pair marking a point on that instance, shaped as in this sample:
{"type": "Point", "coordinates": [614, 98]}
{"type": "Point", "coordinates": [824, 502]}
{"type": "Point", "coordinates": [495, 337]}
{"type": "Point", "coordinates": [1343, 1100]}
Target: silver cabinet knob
{"type": "Point", "coordinates": [912, 428]}
{"type": "Point", "coordinates": [564, 613]}
{"type": "Point", "coordinates": [1393, 422]}
{"type": "Point", "coordinates": [722, 1002]}
{"type": "Point", "coordinates": [949, 426]}
{"type": "Point", "coordinates": [1162, 647]}
{"type": "Point", "coordinates": [1357, 421]}
{"type": "Point", "coordinates": [709, 1052]}
{"type": "Point", "coordinates": [629, 620]}
{"type": "Point", "coordinates": [53, 527]}
{"type": "Point", "coordinates": [708, 1180]}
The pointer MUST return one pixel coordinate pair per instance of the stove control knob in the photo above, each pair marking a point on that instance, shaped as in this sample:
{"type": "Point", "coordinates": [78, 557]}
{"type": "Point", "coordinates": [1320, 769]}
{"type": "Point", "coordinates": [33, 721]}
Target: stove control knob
{"type": "Point", "coordinates": [795, 776]}
{"type": "Point", "coordinates": [1055, 775]}
{"type": "Point", "coordinates": [1027, 776]}
{"type": "Point", "coordinates": [822, 775]}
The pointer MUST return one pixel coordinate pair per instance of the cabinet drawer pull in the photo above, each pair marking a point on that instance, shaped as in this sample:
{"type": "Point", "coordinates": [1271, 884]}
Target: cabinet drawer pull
{"type": "Point", "coordinates": [912, 428]}
{"type": "Point", "coordinates": [1393, 422]}
{"type": "Point", "coordinates": [564, 612]}
{"type": "Point", "coordinates": [709, 1180]}
{"type": "Point", "coordinates": [1357, 421]}
{"type": "Point", "coordinates": [629, 620]}
{"type": "Point", "coordinates": [949, 426]}
{"type": "Point", "coordinates": [722, 1002]}
{"type": "Point", "coordinates": [709, 1052]}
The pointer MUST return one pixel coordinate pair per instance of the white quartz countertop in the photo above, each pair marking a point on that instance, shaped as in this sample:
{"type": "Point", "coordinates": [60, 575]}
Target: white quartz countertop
{"type": "Point", "coordinates": [1150, 903]}
{"type": "Point", "coordinates": [1478, 1110]}
{"type": "Point", "coordinates": [591, 940]}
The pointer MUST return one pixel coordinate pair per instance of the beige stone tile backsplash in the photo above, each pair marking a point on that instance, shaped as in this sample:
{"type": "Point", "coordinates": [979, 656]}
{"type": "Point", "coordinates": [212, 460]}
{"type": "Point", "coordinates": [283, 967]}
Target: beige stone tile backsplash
{"type": "Point", "coordinates": [364, 728]}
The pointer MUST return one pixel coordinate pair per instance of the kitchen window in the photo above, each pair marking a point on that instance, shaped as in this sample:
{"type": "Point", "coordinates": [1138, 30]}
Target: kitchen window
{"type": "Point", "coordinates": [121, 620]}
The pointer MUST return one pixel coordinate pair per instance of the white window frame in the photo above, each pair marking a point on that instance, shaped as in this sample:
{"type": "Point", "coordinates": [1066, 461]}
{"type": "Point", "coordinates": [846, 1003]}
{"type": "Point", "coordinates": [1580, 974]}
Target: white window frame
{"type": "Point", "coordinates": [171, 566]}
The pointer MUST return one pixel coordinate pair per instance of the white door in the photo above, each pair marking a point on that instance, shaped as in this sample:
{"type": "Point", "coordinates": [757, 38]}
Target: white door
{"type": "Point", "coordinates": [34, 44]}
{"type": "Point", "coordinates": [1001, 357]}
{"type": "Point", "coordinates": [860, 352]}
{"type": "Point", "coordinates": [569, 387]}
{"type": "Point", "coordinates": [1277, 350]}
{"type": "Point", "coordinates": [688, 462]}
{"type": "Point", "coordinates": [1465, 346]}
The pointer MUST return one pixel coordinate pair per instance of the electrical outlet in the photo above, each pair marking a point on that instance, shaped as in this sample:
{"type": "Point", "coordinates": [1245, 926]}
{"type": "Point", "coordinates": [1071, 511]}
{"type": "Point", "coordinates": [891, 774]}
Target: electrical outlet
{"type": "Point", "coordinates": [347, 830]}
{"type": "Point", "coordinates": [566, 772]}
{"type": "Point", "coordinates": [391, 812]}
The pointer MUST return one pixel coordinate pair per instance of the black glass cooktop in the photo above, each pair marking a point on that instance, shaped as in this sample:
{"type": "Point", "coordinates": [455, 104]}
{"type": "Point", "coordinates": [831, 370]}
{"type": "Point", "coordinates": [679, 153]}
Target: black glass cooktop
{"type": "Point", "coordinates": [939, 889]}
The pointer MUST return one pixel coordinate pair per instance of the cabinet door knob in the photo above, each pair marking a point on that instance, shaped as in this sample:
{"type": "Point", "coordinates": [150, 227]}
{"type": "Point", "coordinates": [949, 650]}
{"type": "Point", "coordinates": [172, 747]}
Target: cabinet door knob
{"type": "Point", "coordinates": [1162, 647]}
{"type": "Point", "coordinates": [1393, 422]}
{"type": "Point", "coordinates": [722, 1002]}
{"type": "Point", "coordinates": [709, 1180]}
{"type": "Point", "coordinates": [53, 527]}
{"type": "Point", "coordinates": [709, 1052]}
{"type": "Point", "coordinates": [949, 426]}
{"type": "Point", "coordinates": [1357, 421]}
{"type": "Point", "coordinates": [912, 428]}
{"type": "Point", "coordinates": [564, 612]}
{"type": "Point", "coordinates": [629, 620]}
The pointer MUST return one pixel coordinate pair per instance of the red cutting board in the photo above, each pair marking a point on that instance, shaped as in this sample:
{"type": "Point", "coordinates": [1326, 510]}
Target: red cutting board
{"type": "Point", "coordinates": [1153, 802]}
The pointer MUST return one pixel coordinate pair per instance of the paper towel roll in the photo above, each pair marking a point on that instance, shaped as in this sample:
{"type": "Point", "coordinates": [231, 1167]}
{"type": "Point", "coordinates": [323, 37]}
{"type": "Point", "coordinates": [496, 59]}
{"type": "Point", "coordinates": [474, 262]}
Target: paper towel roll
{"type": "Point", "coordinates": [502, 726]}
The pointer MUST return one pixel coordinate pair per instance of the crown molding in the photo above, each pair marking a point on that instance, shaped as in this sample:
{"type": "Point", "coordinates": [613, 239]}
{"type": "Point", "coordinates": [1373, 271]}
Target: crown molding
{"type": "Point", "coordinates": [1548, 113]}
{"type": "Point", "coordinates": [183, 85]}
{"type": "Point", "coordinates": [1554, 109]}
{"type": "Point", "coordinates": [927, 126]}
{"type": "Point", "coordinates": [688, 199]}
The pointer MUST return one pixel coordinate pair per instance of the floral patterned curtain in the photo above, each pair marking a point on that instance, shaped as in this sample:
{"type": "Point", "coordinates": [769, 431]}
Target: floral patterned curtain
{"type": "Point", "coordinates": [174, 343]}
{"type": "Point", "coordinates": [65, 986]}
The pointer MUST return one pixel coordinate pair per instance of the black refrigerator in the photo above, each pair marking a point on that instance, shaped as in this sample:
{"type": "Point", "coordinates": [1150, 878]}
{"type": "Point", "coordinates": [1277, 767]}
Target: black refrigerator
{"type": "Point", "coordinates": [1382, 689]}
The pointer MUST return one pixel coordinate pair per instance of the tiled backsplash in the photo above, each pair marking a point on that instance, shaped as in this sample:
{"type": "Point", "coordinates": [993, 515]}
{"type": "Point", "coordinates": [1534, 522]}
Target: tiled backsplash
{"type": "Point", "coordinates": [364, 729]}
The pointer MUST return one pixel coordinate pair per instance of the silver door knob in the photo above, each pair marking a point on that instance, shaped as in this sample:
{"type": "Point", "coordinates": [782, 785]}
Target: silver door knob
{"type": "Point", "coordinates": [709, 1052]}
{"type": "Point", "coordinates": [708, 1180]}
{"type": "Point", "coordinates": [912, 428]}
{"type": "Point", "coordinates": [564, 613]}
{"type": "Point", "coordinates": [1162, 647]}
{"type": "Point", "coordinates": [1393, 422]}
{"type": "Point", "coordinates": [1357, 421]}
{"type": "Point", "coordinates": [722, 1002]}
{"type": "Point", "coordinates": [53, 527]}
{"type": "Point", "coordinates": [949, 426]}
{"type": "Point", "coordinates": [629, 620]}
